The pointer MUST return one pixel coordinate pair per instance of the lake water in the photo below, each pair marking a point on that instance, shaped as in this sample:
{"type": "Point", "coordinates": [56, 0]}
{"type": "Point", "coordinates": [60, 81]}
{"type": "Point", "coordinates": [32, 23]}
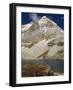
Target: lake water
{"type": "Point", "coordinates": [56, 65]}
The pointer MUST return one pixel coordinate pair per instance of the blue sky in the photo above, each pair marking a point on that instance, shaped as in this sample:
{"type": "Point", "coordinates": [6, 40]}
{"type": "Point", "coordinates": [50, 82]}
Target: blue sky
{"type": "Point", "coordinates": [57, 18]}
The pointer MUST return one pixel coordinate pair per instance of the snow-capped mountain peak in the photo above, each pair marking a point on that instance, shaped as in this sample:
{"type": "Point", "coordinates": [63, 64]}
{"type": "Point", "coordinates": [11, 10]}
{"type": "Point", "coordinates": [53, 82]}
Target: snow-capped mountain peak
{"type": "Point", "coordinates": [44, 29]}
{"type": "Point", "coordinates": [45, 20]}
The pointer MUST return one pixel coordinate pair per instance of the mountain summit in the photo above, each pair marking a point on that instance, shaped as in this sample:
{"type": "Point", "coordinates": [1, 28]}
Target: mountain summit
{"type": "Point", "coordinates": [43, 28]}
{"type": "Point", "coordinates": [44, 20]}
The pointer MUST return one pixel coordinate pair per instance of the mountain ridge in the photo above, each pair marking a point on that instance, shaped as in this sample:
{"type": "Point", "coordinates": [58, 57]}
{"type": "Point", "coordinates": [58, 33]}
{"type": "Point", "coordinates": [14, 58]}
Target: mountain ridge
{"type": "Point", "coordinates": [38, 31]}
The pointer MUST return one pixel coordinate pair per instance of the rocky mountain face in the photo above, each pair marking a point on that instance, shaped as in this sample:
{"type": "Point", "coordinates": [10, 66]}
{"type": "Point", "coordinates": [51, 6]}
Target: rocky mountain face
{"type": "Point", "coordinates": [42, 39]}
